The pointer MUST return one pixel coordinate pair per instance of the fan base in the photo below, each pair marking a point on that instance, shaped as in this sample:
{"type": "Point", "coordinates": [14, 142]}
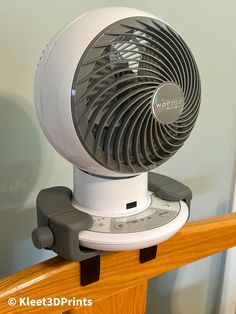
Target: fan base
{"type": "Point", "coordinates": [157, 223]}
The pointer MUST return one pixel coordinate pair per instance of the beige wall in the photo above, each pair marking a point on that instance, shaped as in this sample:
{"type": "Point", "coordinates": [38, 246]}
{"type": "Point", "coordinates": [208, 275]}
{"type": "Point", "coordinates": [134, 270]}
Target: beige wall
{"type": "Point", "coordinates": [28, 163]}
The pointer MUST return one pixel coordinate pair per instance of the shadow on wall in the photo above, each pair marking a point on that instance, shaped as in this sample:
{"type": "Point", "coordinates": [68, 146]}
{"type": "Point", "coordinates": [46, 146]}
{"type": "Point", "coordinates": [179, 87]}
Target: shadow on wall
{"type": "Point", "coordinates": [165, 303]}
{"type": "Point", "coordinates": [20, 162]}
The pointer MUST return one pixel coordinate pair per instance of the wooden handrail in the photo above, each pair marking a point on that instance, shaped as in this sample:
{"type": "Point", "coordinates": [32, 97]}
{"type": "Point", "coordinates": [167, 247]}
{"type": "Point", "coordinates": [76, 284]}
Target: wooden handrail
{"type": "Point", "coordinates": [59, 278]}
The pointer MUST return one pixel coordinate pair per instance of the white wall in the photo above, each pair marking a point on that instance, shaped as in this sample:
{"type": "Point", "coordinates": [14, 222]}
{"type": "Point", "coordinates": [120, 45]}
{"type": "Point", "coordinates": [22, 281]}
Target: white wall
{"type": "Point", "coordinates": [228, 296]}
{"type": "Point", "coordinates": [205, 163]}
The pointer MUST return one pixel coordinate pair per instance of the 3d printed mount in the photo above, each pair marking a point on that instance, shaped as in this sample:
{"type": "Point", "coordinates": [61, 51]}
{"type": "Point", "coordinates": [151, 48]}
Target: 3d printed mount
{"type": "Point", "coordinates": [59, 224]}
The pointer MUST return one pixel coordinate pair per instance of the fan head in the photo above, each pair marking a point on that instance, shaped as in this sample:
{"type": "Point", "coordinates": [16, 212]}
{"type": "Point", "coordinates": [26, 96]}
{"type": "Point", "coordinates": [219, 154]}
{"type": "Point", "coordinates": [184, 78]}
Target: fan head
{"type": "Point", "coordinates": [117, 92]}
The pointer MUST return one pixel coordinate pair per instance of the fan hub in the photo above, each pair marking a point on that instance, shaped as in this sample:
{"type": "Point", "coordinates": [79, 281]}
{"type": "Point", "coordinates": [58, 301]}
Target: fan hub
{"type": "Point", "coordinates": [167, 103]}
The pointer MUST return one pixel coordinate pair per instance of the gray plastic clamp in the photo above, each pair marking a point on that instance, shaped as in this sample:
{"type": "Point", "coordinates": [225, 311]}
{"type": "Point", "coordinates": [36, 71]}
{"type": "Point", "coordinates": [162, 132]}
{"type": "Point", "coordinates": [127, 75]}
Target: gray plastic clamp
{"type": "Point", "coordinates": [168, 189]}
{"type": "Point", "coordinates": [59, 224]}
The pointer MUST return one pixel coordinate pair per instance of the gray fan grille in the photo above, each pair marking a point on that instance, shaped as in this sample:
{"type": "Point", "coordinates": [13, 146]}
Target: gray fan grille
{"type": "Point", "coordinates": [112, 91]}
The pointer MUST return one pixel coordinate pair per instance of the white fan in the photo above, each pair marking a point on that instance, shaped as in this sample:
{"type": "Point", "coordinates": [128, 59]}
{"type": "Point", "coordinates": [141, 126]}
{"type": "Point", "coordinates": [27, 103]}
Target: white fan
{"type": "Point", "coordinates": [117, 93]}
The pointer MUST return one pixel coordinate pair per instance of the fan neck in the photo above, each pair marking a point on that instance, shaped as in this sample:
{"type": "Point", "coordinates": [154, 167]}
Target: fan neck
{"type": "Point", "coordinates": [110, 197]}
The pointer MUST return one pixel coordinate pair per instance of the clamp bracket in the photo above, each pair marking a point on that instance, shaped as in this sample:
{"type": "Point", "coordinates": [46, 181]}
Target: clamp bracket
{"type": "Point", "coordinates": [59, 224]}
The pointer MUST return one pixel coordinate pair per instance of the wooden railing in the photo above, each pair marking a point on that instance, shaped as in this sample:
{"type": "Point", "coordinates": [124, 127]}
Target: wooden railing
{"type": "Point", "coordinates": [123, 281]}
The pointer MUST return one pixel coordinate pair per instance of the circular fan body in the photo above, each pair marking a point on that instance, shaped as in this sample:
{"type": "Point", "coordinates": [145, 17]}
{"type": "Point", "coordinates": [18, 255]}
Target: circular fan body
{"type": "Point", "coordinates": [117, 92]}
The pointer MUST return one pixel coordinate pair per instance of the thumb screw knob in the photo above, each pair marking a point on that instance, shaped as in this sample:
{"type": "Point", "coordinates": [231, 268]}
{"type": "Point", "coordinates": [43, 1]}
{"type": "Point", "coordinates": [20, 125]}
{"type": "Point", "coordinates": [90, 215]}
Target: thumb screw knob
{"type": "Point", "coordinates": [42, 237]}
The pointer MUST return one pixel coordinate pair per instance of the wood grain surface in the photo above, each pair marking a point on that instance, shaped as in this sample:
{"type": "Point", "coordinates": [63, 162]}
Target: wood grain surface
{"type": "Point", "coordinates": [122, 270]}
{"type": "Point", "coordinates": [128, 301]}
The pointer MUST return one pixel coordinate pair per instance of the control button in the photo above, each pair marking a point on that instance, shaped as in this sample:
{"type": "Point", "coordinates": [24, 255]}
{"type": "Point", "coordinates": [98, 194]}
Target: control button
{"type": "Point", "coordinates": [99, 225]}
{"type": "Point", "coordinates": [120, 226]}
{"type": "Point", "coordinates": [100, 219]}
{"type": "Point", "coordinates": [152, 210]}
{"type": "Point", "coordinates": [163, 213]}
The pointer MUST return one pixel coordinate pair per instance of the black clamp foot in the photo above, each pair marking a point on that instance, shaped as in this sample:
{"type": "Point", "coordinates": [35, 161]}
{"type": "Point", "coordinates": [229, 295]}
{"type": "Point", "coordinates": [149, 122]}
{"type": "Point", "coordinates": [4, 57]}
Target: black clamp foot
{"type": "Point", "coordinates": [90, 270]}
{"type": "Point", "coordinates": [147, 254]}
